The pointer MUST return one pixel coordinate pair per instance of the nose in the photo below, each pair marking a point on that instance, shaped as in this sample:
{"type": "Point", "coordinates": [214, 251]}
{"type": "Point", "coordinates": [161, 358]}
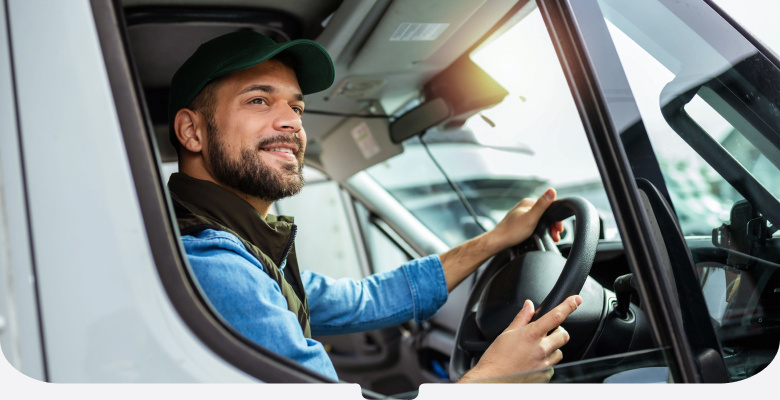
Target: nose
{"type": "Point", "coordinates": [286, 119]}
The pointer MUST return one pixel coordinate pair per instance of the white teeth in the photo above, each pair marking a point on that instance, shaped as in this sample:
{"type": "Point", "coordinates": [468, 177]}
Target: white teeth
{"type": "Point", "coordinates": [284, 150]}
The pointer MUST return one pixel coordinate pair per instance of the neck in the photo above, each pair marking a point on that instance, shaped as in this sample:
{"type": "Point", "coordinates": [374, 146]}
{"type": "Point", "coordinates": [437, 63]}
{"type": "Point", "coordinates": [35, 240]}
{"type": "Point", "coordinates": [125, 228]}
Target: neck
{"type": "Point", "coordinates": [262, 206]}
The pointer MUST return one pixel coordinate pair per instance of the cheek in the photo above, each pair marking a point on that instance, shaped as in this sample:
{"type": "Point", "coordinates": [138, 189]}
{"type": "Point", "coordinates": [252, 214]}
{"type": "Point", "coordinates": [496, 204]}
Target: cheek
{"type": "Point", "coordinates": [302, 136]}
{"type": "Point", "coordinates": [238, 134]}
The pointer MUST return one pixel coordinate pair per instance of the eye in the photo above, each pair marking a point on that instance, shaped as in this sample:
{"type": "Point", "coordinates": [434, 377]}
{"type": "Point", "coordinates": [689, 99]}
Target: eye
{"type": "Point", "coordinates": [258, 100]}
{"type": "Point", "coordinates": [298, 110]}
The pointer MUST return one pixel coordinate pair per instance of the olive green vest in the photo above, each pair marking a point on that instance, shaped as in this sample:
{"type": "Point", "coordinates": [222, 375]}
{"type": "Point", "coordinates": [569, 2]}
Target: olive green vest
{"type": "Point", "coordinates": [201, 205]}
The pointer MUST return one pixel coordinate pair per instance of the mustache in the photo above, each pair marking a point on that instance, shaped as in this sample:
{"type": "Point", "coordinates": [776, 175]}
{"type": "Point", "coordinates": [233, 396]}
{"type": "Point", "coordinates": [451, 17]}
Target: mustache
{"type": "Point", "coordinates": [281, 139]}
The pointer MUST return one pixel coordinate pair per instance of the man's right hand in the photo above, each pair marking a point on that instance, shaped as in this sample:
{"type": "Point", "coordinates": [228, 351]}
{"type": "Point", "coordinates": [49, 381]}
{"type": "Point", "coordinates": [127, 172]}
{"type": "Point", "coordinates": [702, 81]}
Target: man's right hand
{"type": "Point", "coordinates": [525, 345]}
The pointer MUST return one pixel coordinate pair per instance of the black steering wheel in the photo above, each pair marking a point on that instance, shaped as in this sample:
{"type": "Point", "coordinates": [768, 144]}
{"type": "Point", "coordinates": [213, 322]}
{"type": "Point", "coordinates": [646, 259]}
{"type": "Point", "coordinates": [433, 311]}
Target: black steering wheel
{"type": "Point", "coordinates": [535, 270]}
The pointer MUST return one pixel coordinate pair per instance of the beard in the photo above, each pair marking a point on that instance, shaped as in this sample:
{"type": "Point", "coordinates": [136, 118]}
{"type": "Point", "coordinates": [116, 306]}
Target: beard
{"type": "Point", "coordinates": [250, 174]}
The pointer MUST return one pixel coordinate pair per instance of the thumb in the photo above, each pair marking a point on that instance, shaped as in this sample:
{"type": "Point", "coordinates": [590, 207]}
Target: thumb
{"type": "Point", "coordinates": [523, 318]}
{"type": "Point", "coordinates": [542, 203]}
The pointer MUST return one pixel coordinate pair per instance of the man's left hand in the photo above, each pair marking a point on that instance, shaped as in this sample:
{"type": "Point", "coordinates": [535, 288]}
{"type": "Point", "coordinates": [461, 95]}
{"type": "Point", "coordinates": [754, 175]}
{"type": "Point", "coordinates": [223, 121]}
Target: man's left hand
{"type": "Point", "coordinates": [520, 222]}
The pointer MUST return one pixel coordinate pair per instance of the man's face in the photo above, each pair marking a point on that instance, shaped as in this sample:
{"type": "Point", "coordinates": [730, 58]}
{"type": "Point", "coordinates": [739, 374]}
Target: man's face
{"type": "Point", "coordinates": [255, 140]}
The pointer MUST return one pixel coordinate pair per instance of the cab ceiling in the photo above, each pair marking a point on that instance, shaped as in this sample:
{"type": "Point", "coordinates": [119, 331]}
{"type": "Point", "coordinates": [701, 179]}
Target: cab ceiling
{"type": "Point", "coordinates": [364, 37]}
{"type": "Point", "coordinates": [310, 13]}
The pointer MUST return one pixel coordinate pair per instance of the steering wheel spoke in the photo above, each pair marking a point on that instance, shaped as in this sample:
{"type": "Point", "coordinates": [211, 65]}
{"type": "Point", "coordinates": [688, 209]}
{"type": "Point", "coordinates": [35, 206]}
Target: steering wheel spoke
{"type": "Point", "coordinates": [474, 346]}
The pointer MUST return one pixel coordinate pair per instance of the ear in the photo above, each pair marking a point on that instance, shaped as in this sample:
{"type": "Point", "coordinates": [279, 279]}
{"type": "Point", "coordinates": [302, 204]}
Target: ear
{"type": "Point", "coordinates": [190, 128]}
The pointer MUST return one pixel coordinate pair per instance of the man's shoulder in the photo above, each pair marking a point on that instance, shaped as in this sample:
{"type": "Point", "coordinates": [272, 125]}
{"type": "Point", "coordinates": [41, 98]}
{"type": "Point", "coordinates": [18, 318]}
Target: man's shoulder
{"type": "Point", "coordinates": [213, 246]}
{"type": "Point", "coordinates": [212, 238]}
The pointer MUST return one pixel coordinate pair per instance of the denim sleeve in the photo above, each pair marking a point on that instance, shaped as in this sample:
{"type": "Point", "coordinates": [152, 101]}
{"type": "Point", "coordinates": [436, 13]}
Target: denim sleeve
{"type": "Point", "coordinates": [249, 300]}
{"type": "Point", "coordinates": [415, 290]}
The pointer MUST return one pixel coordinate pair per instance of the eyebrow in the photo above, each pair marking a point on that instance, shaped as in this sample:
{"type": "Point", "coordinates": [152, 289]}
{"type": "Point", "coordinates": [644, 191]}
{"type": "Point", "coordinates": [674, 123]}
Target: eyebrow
{"type": "Point", "coordinates": [270, 89]}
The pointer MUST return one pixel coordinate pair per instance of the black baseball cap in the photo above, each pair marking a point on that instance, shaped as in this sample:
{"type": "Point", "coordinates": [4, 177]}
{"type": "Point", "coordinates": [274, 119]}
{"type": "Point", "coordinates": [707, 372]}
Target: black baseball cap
{"type": "Point", "coordinates": [239, 50]}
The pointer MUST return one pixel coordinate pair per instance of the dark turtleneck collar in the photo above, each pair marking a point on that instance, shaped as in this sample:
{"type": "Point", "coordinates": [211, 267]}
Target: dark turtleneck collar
{"type": "Point", "coordinates": [271, 234]}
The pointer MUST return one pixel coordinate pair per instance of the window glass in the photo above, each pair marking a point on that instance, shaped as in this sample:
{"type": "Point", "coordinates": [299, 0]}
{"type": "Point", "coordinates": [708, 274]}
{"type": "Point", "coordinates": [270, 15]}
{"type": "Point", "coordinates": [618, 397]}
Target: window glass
{"type": "Point", "coordinates": [701, 195]}
{"type": "Point", "coordinates": [415, 180]}
{"type": "Point", "coordinates": [709, 102]}
{"type": "Point", "coordinates": [756, 16]}
{"type": "Point", "coordinates": [691, 181]}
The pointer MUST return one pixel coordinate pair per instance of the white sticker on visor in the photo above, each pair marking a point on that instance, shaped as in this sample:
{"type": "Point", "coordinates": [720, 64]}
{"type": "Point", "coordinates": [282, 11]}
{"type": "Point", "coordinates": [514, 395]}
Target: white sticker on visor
{"type": "Point", "coordinates": [408, 32]}
{"type": "Point", "coordinates": [365, 140]}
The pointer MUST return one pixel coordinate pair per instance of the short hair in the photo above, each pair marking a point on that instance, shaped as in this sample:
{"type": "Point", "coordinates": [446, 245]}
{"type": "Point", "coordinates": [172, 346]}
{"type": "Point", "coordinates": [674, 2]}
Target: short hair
{"type": "Point", "coordinates": [204, 102]}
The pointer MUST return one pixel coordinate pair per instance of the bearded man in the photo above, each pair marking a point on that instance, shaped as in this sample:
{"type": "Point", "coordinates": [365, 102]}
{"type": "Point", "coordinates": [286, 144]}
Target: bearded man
{"type": "Point", "coordinates": [235, 119]}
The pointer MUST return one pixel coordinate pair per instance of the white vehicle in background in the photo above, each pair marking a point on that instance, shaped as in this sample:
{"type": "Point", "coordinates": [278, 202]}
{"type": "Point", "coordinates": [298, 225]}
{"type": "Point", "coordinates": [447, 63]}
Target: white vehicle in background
{"type": "Point", "coordinates": [663, 114]}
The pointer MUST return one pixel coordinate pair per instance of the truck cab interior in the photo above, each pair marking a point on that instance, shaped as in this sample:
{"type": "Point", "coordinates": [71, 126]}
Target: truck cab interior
{"type": "Point", "coordinates": [662, 141]}
{"type": "Point", "coordinates": [427, 81]}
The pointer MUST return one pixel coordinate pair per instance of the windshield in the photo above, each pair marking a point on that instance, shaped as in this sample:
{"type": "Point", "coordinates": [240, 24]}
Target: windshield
{"type": "Point", "coordinates": [504, 153]}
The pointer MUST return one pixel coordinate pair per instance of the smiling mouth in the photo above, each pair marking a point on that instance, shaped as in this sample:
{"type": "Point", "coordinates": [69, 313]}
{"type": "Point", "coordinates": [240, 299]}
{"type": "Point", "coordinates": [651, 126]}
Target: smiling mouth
{"type": "Point", "coordinates": [281, 149]}
{"type": "Point", "coordinates": [281, 146]}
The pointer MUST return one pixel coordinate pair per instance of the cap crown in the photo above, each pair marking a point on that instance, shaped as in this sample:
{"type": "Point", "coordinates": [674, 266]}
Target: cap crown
{"type": "Point", "coordinates": [243, 49]}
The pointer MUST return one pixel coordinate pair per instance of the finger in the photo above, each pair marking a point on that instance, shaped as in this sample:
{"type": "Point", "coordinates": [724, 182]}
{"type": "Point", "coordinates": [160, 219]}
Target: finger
{"type": "Point", "coordinates": [523, 317]}
{"type": "Point", "coordinates": [555, 357]}
{"type": "Point", "coordinates": [542, 203]}
{"type": "Point", "coordinates": [522, 206]}
{"type": "Point", "coordinates": [557, 315]}
{"type": "Point", "coordinates": [558, 338]}
{"type": "Point", "coordinates": [539, 376]}
{"type": "Point", "coordinates": [555, 231]}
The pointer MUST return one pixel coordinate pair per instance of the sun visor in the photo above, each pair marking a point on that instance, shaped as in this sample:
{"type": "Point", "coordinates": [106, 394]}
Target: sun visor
{"type": "Point", "coordinates": [355, 145]}
{"type": "Point", "coordinates": [466, 88]}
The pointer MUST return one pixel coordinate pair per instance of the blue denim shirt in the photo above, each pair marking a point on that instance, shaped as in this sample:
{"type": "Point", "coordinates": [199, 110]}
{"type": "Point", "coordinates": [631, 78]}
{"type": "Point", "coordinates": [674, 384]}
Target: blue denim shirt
{"type": "Point", "coordinates": [252, 303]}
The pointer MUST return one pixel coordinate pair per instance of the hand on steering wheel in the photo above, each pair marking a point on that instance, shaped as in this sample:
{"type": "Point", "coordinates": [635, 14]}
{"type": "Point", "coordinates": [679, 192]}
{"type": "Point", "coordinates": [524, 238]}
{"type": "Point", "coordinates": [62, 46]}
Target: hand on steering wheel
{"type": "Point", "coordinates": [540, 351]}
{"type": "Point", "coordinates": [534, 270]}
{"type": "Point", "coordinates": [520, 222]}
